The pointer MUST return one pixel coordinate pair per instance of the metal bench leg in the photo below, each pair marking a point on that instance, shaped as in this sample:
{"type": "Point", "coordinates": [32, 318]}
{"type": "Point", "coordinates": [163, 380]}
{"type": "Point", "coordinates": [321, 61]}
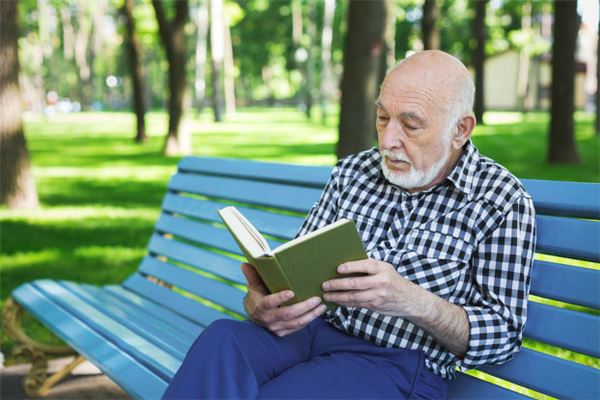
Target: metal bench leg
{"type": "Point", "coordinates": [35, 384]}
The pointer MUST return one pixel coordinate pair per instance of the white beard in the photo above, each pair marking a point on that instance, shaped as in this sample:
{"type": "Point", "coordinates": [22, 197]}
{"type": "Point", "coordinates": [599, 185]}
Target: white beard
{"type": "Point", "coordinates": [413, 178]}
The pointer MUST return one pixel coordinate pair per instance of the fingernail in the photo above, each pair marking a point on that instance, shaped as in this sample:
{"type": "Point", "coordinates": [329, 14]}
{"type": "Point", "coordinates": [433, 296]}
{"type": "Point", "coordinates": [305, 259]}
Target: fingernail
{"type": "Point", "coordinates": [315, 300]}
{"type": "Point", "coordinates": [342, 268]}
{"type": "Point", "coordinates": [325, 285]}
{"type": "Point", "coordinates": [322, 308]}
{"type": "Point", "coordinates": [289, 294]}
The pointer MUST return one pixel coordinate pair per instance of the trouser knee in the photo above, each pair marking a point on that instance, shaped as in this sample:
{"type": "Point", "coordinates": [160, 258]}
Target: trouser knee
{"type": "Point", "coordinates": [225, 333]}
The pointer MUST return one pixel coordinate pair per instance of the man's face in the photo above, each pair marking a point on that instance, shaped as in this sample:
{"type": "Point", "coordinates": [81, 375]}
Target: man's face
{"type": "Point", "coordinates": [413, 132]}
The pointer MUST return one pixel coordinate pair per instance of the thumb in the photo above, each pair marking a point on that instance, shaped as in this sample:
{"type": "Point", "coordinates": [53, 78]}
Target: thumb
{"type": "Point", "coordinates": [253, 279]}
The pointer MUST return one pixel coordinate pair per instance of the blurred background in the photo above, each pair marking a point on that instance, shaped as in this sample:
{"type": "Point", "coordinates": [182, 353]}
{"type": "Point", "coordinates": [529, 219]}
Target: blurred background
{"type": "Point", "coordinates": [99, 99]}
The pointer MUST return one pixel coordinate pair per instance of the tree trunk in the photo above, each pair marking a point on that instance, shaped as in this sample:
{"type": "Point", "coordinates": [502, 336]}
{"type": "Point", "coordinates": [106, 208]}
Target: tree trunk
{"type": "Point", "coordinates": [562, 147]}
{"type": "Point", "coordinates": [217, 53]}
{"type": "Point", "coordinates": [362, 55]}
{"type": "Point", "coordinates": [388, 56]}
{"type": "Point", "coordinates": [137, 72]}
{"type": "Point", "coordinates": [479, 58]}
{"type": "Point", "coordinates": [523, 74]}
{"type": "Point", "coordinates": [228, 70]}
{"type": "Point", "coordinates": [429, 31]}
{"type": "Point", "coordinates": [598, 84]}
{"type": "Point", "coordinates": [17, 187]}
{"type": "Point", "coordinates": [172, 34]}
{"type": "Point", "coordinates": [327, 85]}
{"type": "Point", "coordinates": [201, 40]}
{"type": "Point", "coordinates": [311, 32]}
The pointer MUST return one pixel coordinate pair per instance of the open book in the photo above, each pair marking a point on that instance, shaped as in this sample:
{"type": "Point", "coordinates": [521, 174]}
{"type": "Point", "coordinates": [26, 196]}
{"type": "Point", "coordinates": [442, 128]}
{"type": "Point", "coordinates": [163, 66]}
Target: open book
{"type": "Point", "coordinates": [302, 264]}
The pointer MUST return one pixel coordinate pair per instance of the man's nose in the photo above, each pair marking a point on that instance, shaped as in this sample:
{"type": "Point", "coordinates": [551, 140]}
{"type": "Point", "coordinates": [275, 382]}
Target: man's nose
{"type": "Point", "coordinates": [392, 136]}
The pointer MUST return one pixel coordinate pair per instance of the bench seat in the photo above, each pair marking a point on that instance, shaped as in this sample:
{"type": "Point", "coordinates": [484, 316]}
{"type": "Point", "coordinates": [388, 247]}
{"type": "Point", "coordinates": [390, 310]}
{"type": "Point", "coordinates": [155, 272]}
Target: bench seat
{"type": "Point", "coordinates": [138, 332]}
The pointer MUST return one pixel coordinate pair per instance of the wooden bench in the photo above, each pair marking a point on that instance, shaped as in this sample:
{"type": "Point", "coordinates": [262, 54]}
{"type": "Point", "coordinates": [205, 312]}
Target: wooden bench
{"type": "Point", "coordinates": [138, 332]}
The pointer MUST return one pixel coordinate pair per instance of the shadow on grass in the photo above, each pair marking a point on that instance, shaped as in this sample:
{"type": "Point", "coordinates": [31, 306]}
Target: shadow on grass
{"type": "Point", "coordinates": [106, 192]}
{"type": "Point", "coordinates": [69, 235]}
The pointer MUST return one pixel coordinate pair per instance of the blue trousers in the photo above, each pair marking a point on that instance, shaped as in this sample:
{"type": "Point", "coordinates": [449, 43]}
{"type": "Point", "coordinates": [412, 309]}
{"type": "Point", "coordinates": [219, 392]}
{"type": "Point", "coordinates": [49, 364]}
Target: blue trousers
{"type": "Point", "coordinates": [235, 359]}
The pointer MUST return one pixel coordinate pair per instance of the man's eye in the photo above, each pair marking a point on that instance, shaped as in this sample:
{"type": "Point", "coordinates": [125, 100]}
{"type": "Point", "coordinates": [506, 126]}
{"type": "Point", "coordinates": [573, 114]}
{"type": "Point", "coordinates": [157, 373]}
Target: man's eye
{"type": "Point", "coordinates": [410, 127]}
{"type": "Point", "coordinates": [382, 118]}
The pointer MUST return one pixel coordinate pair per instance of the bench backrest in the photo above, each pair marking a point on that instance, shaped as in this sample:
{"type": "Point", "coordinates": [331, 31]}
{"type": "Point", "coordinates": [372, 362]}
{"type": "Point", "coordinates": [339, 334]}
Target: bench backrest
{"type": "Point", "coordinates": [193, 264]}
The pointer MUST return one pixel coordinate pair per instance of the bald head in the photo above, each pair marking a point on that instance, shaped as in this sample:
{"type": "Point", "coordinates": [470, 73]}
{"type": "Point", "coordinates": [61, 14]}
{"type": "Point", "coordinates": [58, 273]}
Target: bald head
{"type": "Point", "coordinates": [443, 77]}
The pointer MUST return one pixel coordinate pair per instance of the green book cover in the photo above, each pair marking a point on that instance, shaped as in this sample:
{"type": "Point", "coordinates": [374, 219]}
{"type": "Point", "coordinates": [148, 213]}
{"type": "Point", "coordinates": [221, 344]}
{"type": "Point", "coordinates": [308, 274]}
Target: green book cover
{"type": "Point", "coordinates": [302, 264]}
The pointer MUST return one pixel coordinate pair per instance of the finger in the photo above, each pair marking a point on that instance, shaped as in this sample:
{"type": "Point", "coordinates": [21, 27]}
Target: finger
{"type": "Point", "coordinates": [353, 283]}
{"type": "Point", "coordinates": [253, 278]}
{"type": "Point", "coordinates": [352, 298]}
{"type": "Point", "coordinates": [294, 311]}
{"type": "Point", "coordinates": [287, 327]}
{"type": "Point", "coordinates": [368, 266]}
{"type": "Point", "coordinates": [273, 301]}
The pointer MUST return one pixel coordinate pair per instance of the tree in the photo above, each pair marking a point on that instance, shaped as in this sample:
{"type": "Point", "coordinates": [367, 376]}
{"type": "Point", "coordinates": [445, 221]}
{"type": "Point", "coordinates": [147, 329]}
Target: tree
{"type": "Point", "coordinates": [327, 85]}
{"type": "Point", "coordinates": [201, 19]}
{"type": "Point", "coordinates": [172, 34]}
{"type": "Point", "coordinates": [479, 57]}
{"type": "Point", "coordinates": [562, 147]}
{"type": "Point", "coordinates": [217, 55]}
{"type": "Point", "coordinates": [598, 84]}
{"type": "Point", "coordinates": [362, 55]}
{"type": "Point", "coordinates": [17, 187]}
{"type": "Point", "coordinates": [137, 72]}
{"type": "Point", "coordinates": [429, 31]}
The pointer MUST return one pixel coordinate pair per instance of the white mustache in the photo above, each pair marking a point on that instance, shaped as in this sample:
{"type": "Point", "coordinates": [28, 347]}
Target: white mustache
{"type": "Point", "coordinates": [395, 156]}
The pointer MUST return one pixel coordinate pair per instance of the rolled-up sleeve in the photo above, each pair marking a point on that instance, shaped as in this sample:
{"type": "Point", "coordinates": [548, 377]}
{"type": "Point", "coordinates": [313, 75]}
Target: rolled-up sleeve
{"type": "Point", "coordinates": [497, 306]}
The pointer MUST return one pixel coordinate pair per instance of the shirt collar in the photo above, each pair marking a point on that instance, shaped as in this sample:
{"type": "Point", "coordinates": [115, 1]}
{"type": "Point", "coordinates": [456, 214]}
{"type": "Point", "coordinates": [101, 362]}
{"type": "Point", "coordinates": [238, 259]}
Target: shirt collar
{"type": "Point", "coordinates": [463, 173]}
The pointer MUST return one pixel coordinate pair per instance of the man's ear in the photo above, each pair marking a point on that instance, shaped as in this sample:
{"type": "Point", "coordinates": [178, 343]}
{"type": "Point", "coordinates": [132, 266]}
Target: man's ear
{"type": "Point", "coordinates": [463, 132]}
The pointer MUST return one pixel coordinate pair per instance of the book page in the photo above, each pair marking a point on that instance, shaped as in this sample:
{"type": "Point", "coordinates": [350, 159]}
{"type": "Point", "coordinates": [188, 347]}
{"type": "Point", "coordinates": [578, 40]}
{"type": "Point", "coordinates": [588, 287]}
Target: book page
{"type": "Point", "coordinates": [244, 232]}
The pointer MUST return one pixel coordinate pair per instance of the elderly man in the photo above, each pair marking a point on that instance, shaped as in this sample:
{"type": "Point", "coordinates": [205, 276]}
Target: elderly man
{"type": "Point", "coordinates": [450, 235]}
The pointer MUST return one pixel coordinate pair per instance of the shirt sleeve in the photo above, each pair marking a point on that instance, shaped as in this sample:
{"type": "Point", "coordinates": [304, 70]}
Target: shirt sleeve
{"type": "Point", "coordinates": [497, 307]}
{"type": "Point", "coordinates": [324, 211]}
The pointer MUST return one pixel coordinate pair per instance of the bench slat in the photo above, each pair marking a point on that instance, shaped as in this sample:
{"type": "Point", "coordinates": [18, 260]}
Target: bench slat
{"type": "Point", "coordinates": [161, 334]}
{"type": "Point", "coordinates": [184, 306]}
{"type": "Point", "coordinates": [217, 264]}
{"type": "Point", "coordinates": [210, 289]}
{"type": "Point", "coordinates": [574, 199]}
{"type": "Point", "coordinates": [566, 283]}
{"type": "Point", "coordinates": [143, 350]}
{"type": "Point", "coordinates": [202, 233]}
{"type": "Point", "coordinates": [121, 367]}
{"type": "Point", "coordinates": [285, 197]}
{"type": "Point", "coordinates": [270, 223]}
{"type": "Point", "coordinates": [158, 311]}
{"type": "Point", "coordinates": [299, 174]}
{"type": "Point", "coordinates": [549, 375]}
{"type": "Point", "coordinates": [568, 238]}
{"type": "Point", "coordinates": [567, 329]}
{"type": "Point", "coordinates": [467, 387]}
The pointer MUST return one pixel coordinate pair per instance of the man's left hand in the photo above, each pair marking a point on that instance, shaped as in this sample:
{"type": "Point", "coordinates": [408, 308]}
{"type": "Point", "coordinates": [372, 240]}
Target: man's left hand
{"type": "Point", "coordinates": [382, 289]}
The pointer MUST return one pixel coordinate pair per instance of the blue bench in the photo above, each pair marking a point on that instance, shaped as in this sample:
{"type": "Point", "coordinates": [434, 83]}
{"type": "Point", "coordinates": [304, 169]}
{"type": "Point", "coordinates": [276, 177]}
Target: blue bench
{"type": "Point", "coordinates": [138, 332]}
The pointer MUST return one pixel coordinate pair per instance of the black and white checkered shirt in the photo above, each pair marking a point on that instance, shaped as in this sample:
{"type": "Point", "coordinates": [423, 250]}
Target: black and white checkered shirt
{"type": "Point", "coordinates": [469, 240]}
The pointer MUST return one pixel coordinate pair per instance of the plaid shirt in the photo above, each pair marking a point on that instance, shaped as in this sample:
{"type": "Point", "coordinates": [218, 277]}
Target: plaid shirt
{"type": "Point", "coordinates": [469, 240]}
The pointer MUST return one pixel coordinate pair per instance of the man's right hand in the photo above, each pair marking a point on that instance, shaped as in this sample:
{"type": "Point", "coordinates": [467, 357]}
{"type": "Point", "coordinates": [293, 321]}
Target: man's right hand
{"type": "Point", "coordinates": [264, 308]}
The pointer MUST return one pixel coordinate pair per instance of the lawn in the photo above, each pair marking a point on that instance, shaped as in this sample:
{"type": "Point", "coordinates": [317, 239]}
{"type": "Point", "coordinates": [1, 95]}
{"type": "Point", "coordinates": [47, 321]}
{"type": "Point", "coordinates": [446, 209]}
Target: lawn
{"type": "Point", "coordinates": [100, 192]}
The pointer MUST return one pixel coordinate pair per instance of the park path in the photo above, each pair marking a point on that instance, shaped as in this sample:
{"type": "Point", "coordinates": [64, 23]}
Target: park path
{"type": "Point", "coordinates": [85, 382]}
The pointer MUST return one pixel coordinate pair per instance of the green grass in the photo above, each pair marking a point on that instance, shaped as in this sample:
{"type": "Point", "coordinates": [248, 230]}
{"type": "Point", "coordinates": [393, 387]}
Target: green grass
{"type": "Point", "coordinates": [100, 193]}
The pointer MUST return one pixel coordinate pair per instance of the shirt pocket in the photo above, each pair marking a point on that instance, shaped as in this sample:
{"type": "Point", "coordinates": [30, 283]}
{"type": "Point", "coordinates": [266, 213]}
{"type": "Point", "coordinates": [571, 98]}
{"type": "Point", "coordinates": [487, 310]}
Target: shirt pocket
{"type": "Point", "coordinates": [436, 261]}
{"type": "Point", "coordinates": [438, 245]}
